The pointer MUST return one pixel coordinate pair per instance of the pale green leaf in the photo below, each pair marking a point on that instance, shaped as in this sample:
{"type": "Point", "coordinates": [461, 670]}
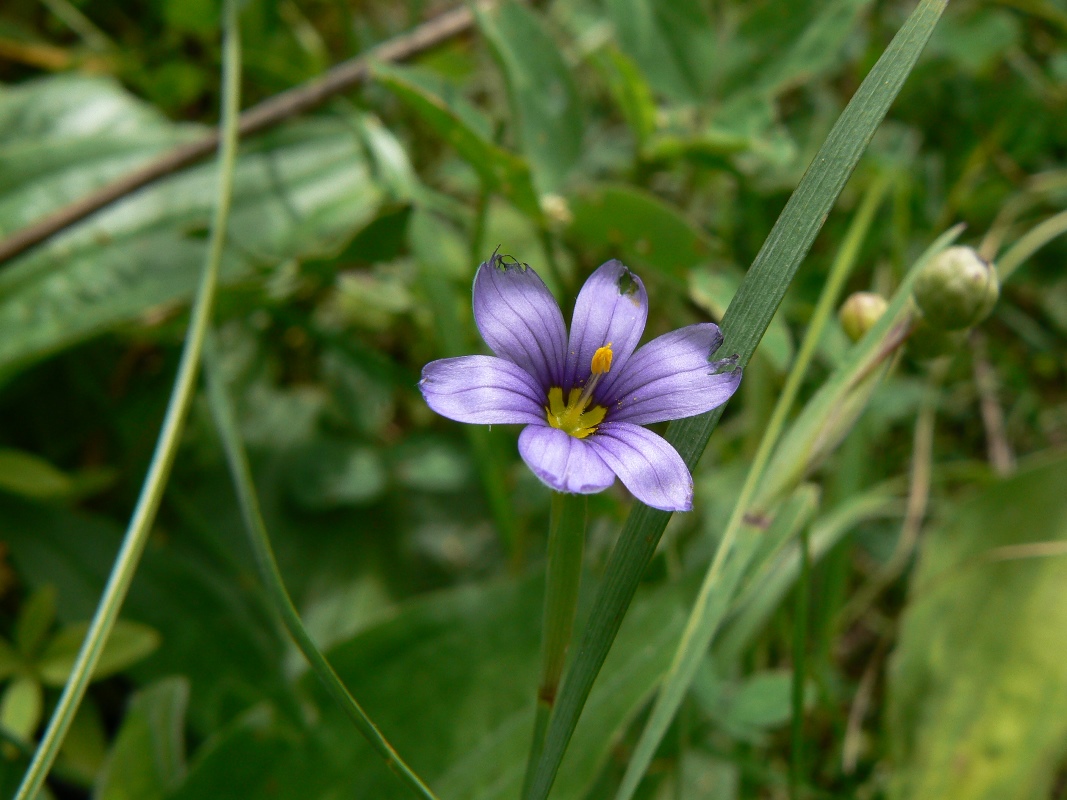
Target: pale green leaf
{"type": "Point", "coordinates": [148, 757]}
{"type": "Point", "coordinates": [129, 643]}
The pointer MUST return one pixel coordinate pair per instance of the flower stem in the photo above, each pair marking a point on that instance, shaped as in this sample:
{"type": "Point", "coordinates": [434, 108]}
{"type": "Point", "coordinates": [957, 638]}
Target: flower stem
{"type": "Point", "coordinates": [144, 514]}
{"type": "Point", "coordinates": [800, 644]}
{"type": "Point", "coordinates": [566, 541]}
{"type": "Point", "coordinates": [222, 412]}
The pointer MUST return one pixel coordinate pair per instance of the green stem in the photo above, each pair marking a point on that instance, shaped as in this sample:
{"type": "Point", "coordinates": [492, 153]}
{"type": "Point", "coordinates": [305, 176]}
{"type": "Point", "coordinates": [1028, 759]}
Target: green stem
{"type": "Point", "coordinates": [566, 541]}
{"type": "Point", "coordinates": [144, 514]}
{"type": "Point", "coordinates": [222, 412]}
{"type": "Point", "coordinates": [800, 643]}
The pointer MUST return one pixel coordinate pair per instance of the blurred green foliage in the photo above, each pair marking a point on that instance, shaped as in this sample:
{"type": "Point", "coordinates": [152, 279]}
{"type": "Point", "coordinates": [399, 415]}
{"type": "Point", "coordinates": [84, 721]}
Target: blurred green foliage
{"type": "Point", "coordinates": [665, 134]}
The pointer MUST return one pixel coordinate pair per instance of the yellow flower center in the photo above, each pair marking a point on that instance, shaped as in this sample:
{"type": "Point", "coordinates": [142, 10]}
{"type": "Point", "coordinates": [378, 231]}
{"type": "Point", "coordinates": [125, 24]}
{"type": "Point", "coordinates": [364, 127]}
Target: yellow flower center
{"type": "Point", "coordinates": [575, 417]}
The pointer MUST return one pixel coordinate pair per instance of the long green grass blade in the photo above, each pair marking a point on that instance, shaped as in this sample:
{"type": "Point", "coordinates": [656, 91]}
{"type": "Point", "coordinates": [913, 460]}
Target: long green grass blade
{"type": "Point", "coordinates": [144, 514]}
{"type": "Point", "coordinates": [267, 564]}
{"type": "Point", "coordinates": [743, 325]}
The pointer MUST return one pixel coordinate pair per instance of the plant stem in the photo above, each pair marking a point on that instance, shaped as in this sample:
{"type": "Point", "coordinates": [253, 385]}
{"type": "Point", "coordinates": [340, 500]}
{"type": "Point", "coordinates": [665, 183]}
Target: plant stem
{"type": "Point", "coordinates": [144, 513]}
{"type": "Point", "coordinates": [222, 412]}
{"type": "Point", "coordinates": [800, 643]}
{"type": "Point", "coordinates": [566, 542]}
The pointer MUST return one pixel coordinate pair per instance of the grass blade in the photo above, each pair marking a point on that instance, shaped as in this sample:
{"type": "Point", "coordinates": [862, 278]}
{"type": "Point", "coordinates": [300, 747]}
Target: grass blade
{"type": "Point", "coordinates": [259, 540]}
{"type": "Point", "coordinates": [155, 482]}
{"type": "Point", "coordinates": [743, 324]}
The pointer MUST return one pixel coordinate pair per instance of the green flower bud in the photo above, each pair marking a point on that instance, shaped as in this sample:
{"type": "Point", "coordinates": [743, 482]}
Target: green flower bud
{"type": "Point", "coordinates": [859, 313]}
{"type": "Point", "coordinates": [957, 289]}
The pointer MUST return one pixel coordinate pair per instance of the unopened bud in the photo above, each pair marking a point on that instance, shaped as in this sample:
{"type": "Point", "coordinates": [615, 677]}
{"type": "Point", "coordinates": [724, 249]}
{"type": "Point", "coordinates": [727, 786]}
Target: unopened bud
{"type": "Point", "coordinates": [957, 289]}
{"type": "Point", "coordinates": [859, 313]}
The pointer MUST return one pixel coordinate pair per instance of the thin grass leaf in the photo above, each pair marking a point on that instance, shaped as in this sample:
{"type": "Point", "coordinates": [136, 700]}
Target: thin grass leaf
{"type": "Point", "coordinates": [744, 324]}
{"type": "Point", "coordinates": [155, 482]}
{"type": "Point", "coordinates": [824, 419]}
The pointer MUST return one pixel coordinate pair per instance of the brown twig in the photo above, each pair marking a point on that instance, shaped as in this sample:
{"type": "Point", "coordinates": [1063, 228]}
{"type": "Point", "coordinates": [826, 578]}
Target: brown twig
{"type": "Point", "coordinates": [267, 114]}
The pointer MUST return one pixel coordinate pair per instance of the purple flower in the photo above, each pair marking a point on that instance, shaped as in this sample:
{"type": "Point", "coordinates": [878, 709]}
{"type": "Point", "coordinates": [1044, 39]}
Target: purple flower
{"type": "Point", "coordinates": [583, 399]}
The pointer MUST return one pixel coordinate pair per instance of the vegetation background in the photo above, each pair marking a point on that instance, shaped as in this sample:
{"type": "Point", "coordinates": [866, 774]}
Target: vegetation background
{"type": "Point", "coordinates": [917, 649]}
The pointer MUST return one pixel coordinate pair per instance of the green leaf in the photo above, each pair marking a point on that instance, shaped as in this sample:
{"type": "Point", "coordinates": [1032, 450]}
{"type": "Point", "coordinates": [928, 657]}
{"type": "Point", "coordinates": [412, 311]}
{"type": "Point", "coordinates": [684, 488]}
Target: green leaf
{"type": "Point", "coordinates": [543, 97]}
{"type": "Point", "coordinates": [20, 707]}
{"type": "Point", "coordinates": [444, 110]}
{"type": "Point", "coordinates": [35, 619]}
{"type": "Point", "coordinates": [10, 660]}
{"type": "Point", "coordinates": [129, 643]}
{"type": "Point", "coordinates": [977, 692]}
{"type": "Point", "coordinates": [483, 645]}
{"type": "Point", "coordinates": [745, 322]}
{"type": "Point", "coordinates": [631, 224]}
{"type": "Point", "coordinates": [673, 43]}
{"type": "Point", "coordinates": [31, 476]}
{"type": "Point", "coordinates": [148, 757]}
{"type": "Point", "coordinates": [242, 760]}
{"type": "Point", "coordinates": [298, 191]}
{"type": "Point", "coordinates": [631, 91]}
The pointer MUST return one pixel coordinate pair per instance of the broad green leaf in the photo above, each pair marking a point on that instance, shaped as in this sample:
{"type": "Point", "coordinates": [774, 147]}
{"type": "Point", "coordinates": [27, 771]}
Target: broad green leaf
{"type": "Point", "coordinates": [299, 191]}
{"type": "Point", "coordinates": [744, 324]}
{"type": "Point", "coordinates": [631, 91]}
{"type": "Point", "coordinates": [241, 760]}
{"type": "Point", "coordinates": [637, 227]}
{"type": "Point", "coordinates": [977, 705]}
{"type": "Point", "coordinates": [85, 747]}
{"type": "Point", "coordinates": [31, 476]}
{"type": "Point", "coordinates": [459, 124]}
{"type": "Point", "coordinates": [673, 43]}
{"type": "Point", "coordinates": [148, 757]}
{"type": "Point", "coordinates": [36, 618]}
{"type": "Point", "coordinates": [10, 660]}
{"type": "Point", "coordinates": [465, 722]}
{"type": "Point", "coordinates": [544, 100]}
{"type": "Point", "coordinates": [814, 52]}
{"type": "Point", "coordinates": [129, 643]}
{"type": "Point", "coordinates": [20, 707]}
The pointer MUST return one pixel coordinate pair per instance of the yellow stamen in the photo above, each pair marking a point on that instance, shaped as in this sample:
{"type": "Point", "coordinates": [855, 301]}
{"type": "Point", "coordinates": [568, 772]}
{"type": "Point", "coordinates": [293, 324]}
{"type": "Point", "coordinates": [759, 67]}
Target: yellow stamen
{"type": "Point", "coordinates": [601, 360]}
{"type": "Point", "coordinates": [571, 417]}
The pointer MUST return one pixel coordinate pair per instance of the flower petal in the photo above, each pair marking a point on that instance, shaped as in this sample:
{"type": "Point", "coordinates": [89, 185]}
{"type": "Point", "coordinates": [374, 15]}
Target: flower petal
{"type": "Point", "coordinates": [670, 378]}
{"type": "Point", "coordinates": [611, 307]}
{"type": "Point", "coordinates": [563, 462]}
{"type": "Point", "coordinates": [520, 320]}
{"type": "Point", "coordinates": [646, 463]}
{"type": "Point", "coordinates": [482, 389]}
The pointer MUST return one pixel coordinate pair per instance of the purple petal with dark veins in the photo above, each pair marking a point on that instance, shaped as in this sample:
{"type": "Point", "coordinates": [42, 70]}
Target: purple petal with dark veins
{"type": "Point", "coordinates": [669, 378]}
{"type": "Point", "coordinates": [646, 464]}
{"type": "Point", "coordinates": [520, 320]}
{"type": "Point", "coordinates": [611, 307]}
{"type": "Point", "coordinates": [563, 462]}
{"type": "Point", "coordinates": [483, 390]}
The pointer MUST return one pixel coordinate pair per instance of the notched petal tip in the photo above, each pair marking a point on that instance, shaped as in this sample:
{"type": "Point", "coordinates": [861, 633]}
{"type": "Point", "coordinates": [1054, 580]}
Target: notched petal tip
{"type": "Point", "coordinates": [725, 365]}
{"type": "Point", "coordinates": [504, 262]}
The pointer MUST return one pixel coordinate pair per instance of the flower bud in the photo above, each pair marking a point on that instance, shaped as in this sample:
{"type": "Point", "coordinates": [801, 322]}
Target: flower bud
{"type": "Point", "coordinates": [957, 289]}
{"type": "Point", "coordinates": [859, 313]}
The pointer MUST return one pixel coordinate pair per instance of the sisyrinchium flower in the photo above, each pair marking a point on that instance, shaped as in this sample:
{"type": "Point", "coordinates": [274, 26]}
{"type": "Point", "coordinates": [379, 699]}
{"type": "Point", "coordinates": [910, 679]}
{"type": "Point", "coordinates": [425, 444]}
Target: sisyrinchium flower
{"type": "Point", "coordinates": [584, 398]}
